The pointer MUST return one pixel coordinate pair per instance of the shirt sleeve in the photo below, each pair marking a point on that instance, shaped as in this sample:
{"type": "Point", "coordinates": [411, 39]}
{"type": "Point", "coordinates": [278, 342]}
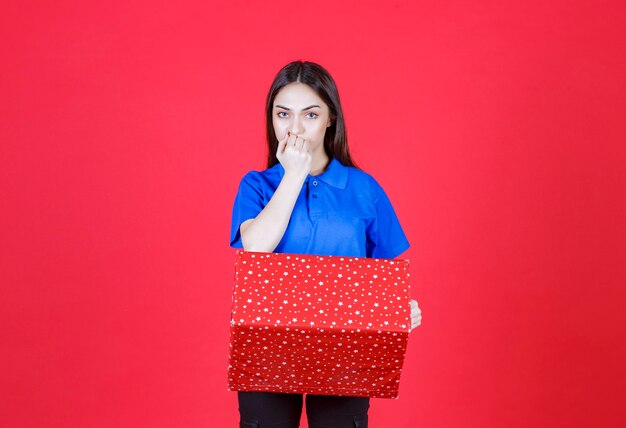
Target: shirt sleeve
{"type": "Point", "coordinates": [248, 204]}
{"type": "Point", "coordinates": [385, 237]}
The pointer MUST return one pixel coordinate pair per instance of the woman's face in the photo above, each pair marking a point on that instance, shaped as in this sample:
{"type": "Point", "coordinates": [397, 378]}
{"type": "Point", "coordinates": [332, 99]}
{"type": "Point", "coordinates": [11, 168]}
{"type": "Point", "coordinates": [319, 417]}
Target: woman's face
{"type": "Point", "coordinates": [297, 108]}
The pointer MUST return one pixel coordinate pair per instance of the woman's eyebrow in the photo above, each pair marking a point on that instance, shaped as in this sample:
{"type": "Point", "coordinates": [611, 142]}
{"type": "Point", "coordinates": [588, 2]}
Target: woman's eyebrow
{"type": "Point", "coordinates": [307, 108]}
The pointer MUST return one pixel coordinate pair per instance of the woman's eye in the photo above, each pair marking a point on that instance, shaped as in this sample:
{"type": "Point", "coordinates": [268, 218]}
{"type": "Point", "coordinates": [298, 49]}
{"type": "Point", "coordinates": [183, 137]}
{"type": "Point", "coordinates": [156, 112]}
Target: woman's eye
{"type": "Point", "coordinates": [310, 115]}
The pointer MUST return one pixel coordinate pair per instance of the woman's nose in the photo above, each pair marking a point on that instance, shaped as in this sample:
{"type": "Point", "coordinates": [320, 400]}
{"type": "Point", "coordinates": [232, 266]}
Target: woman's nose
{"type": "Point", "coordinates": [296, 127]}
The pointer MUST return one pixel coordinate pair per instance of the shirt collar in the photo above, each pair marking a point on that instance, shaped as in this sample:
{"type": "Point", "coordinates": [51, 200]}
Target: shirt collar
{"type": "Point", "coordinates": [336, 174]}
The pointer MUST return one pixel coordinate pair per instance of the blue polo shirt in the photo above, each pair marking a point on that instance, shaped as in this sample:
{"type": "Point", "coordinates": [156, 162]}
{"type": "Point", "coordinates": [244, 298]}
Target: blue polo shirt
{"type": "Point", "coordinates": [340, 212]}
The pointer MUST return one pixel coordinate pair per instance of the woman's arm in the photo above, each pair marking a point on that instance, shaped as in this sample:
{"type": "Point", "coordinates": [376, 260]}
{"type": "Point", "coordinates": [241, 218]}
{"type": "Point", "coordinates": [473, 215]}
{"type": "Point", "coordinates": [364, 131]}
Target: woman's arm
{"type": "Point", "coordinates": [264, 232]}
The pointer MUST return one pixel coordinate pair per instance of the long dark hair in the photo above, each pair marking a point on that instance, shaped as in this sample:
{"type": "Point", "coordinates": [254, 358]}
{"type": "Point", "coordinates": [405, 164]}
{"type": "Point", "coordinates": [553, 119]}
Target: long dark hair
{"type": "Point", "coordinates": [316, 76]}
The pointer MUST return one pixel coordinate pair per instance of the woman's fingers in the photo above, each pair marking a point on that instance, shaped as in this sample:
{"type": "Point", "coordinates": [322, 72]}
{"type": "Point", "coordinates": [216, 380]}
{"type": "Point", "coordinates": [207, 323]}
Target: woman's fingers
{"type": "Point", "coordinates": [289, 141]}
{"type": "Point", "coordinates": [416, 314]}
{"type": "Point", "coordinates": [416, 321]}
{"type": "Point", "coordinates": [295, 142]}
{"type": "Point", "coordinates": [299, 143]}
{"type": "Point", "coordinates": [282, 144]}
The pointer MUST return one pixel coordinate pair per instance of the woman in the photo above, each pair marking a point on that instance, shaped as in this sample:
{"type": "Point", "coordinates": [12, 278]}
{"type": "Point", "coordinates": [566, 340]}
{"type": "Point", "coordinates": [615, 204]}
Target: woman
{"type": "Point", "coordinates": [311, 199]}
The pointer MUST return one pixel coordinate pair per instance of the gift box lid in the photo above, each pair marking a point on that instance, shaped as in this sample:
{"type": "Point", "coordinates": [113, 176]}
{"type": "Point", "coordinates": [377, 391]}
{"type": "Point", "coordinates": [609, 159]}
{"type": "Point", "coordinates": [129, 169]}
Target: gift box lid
{"type": "Point", "coordinates": [325, 292]}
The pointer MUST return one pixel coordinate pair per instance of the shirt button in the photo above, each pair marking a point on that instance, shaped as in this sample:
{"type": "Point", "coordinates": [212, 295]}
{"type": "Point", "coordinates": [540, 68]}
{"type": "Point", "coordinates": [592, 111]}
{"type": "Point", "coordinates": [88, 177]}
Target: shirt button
{"type": "Point", "coordinates": [315, 183]}
{"type": "Point", "coordinates": [314, 195]}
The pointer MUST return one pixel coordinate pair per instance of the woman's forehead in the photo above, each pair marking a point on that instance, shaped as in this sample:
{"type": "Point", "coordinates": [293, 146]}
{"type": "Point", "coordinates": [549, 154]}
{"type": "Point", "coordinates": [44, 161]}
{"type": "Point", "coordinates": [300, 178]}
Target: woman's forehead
{"type": "Point", "coordinates": [298, 96]}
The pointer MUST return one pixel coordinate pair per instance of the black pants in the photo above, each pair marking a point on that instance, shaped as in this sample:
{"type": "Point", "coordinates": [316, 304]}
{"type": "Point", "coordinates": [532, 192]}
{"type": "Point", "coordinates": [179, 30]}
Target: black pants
{"type": "Point", "coordinates": [277, 410]}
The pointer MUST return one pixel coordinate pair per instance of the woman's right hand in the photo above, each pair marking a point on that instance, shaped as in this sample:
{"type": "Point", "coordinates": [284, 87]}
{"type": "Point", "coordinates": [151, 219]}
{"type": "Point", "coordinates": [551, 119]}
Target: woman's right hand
{"type": "Point", "coordinates": [294, 155]}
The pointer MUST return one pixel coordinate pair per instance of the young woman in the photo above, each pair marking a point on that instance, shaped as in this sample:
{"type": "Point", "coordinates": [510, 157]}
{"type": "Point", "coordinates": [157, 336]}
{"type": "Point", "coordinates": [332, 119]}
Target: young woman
{"type": "Point", "coordinates": [311, 199]}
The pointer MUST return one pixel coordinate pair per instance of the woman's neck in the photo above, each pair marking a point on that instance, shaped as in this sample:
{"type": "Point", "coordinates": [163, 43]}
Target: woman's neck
{"type": "Point", "coordinates": [319, 164]}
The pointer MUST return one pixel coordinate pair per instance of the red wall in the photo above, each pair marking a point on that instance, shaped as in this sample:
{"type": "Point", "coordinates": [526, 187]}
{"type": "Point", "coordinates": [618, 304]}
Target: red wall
{"type": "Point", "coordinates": [497, 129]}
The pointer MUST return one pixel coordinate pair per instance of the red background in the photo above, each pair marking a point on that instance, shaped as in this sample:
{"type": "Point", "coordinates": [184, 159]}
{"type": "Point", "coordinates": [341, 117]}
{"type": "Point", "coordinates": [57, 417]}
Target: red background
{"type": "Point", "coordinates": [497, 129]}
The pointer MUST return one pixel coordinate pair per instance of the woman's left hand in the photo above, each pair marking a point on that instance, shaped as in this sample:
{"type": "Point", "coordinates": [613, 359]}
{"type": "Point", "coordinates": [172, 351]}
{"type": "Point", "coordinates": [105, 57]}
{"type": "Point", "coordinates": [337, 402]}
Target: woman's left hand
{"type": "Point", "coordinates": [416, 314]}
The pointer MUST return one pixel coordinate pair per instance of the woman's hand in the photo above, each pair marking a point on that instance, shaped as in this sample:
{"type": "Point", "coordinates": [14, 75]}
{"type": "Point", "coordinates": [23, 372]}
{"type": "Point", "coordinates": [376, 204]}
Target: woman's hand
{"type": "Point", "coordinates": [294, 155]}
{"type": "Point", "coordinates": [416, 314]}
{"type": "Point", "coordinates": [265, 231]}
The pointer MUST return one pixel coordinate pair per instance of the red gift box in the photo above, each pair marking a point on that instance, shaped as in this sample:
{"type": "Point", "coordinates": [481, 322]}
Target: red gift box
{"type": "Point", "coordinates": [328, 325]}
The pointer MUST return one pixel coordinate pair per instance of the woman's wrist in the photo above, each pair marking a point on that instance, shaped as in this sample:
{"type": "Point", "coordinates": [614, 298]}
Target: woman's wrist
{"type": "Point", "coordinates": [295, 175]}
